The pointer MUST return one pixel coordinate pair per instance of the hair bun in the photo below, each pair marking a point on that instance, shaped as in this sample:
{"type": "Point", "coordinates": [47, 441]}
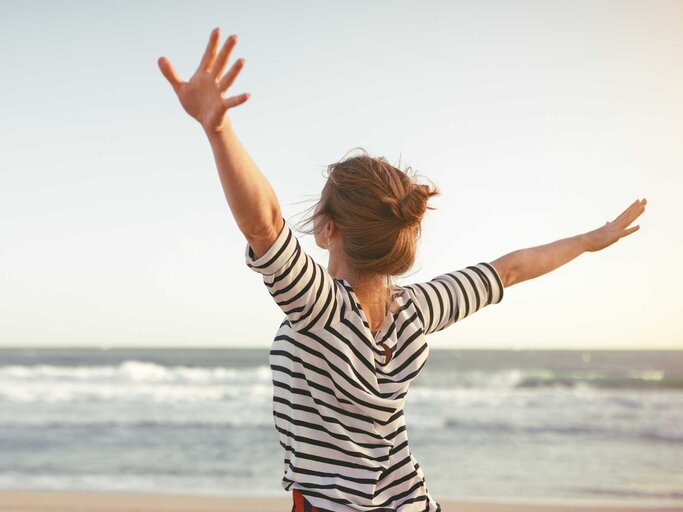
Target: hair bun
{"type": "Point", "coordinates": [410, 209]}
{"type": "Point", "coordinates": [393, 207]}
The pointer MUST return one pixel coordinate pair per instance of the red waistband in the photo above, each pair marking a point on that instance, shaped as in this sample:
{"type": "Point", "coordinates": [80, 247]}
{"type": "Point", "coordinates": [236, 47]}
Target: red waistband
{"type": "Point", "coordinates": [300, 504]}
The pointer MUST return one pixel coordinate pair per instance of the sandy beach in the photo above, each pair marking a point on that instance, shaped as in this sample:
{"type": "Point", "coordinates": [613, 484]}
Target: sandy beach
{"type": "Point", "coordinates": [62, 501]}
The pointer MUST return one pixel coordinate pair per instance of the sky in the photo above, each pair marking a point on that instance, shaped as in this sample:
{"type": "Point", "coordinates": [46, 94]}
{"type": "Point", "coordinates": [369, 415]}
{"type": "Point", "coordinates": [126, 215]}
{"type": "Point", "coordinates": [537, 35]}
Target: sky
{"type": "Point", "coordinates": [536, 120]}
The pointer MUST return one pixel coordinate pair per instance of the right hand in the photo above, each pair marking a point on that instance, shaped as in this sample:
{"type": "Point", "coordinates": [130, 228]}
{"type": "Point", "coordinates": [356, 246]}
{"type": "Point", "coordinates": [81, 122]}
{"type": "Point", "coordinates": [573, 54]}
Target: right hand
{"type": "Point", "coordinates": [606, 235]}
{"type": "Point", "coordinates": [201, 97]}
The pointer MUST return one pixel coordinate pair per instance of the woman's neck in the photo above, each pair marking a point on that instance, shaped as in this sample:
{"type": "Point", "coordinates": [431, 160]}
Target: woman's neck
{"type": "Point", "coordinates": [372, 290]}
{"type": "Point", "coordinates": [363, 284]}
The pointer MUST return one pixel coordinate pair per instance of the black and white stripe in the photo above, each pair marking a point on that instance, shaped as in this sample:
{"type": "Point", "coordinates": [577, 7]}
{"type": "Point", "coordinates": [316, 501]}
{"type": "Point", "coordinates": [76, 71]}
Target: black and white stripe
{"type": "Point", "coordinates": [450, 297]}
{"type": "Point", "coordinates": [337, 400]}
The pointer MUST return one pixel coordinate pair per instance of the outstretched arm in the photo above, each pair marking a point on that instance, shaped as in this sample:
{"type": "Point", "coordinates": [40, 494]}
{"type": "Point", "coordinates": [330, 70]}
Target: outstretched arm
{"type": "Point", "coordinates": [524, 264]}
{"type": "Point", "coordinates": [250, 197]}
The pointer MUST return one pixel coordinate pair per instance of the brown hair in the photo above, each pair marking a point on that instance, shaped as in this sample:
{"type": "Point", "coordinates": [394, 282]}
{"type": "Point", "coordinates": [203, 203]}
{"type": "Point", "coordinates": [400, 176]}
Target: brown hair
{"type": "Point", "coordinates": [378, 210]}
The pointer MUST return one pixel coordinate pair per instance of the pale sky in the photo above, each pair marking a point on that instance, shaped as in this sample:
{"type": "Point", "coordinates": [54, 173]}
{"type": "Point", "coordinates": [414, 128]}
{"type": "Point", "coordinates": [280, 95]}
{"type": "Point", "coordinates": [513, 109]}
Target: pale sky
{"type": "Point", "coordinates": [536, 120]}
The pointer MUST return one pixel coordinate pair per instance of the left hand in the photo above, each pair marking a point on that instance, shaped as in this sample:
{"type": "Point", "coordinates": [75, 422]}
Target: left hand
{"type": "Point", "coordinates": [606, 235]}
{"type": "Point", "coordinates": [201, 97]}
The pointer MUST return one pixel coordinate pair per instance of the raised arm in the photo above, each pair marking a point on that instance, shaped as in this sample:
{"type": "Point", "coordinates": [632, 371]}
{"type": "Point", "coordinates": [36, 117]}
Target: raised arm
{"type": "Point", "coordinates": [251, 199]}
{"type": "Point", "coordinates": [525, 264]}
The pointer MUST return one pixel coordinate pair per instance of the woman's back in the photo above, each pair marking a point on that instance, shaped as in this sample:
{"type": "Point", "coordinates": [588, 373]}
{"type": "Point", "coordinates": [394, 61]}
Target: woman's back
{"type": "Point", "coordinates": [339, 390]}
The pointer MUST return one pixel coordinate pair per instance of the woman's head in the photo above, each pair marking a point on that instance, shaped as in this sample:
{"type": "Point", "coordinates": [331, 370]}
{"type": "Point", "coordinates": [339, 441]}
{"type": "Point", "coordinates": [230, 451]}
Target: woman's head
{"type": "Point", "coordinates": [377, 210]}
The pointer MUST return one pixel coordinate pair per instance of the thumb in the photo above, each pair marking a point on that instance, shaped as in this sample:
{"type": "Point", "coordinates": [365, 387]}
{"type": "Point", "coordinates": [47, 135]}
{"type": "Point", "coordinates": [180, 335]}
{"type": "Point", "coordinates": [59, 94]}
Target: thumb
{"type": "Point", "coordinates": [629, 231]}
{"type": "Point", "coordinates": [170, 74]}
{"type": "Point", "coordinates": [233, 101]}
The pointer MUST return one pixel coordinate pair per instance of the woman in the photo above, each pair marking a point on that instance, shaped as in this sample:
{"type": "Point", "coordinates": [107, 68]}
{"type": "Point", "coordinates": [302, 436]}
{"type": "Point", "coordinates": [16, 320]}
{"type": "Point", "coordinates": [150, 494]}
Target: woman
{"type": "Point", "coordinates": [352, 340]}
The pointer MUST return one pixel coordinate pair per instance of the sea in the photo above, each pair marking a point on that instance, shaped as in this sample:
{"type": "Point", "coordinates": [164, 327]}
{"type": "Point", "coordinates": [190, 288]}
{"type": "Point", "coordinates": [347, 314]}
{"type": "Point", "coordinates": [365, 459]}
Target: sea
{"type": "Point", "coordinates": [554, 426]}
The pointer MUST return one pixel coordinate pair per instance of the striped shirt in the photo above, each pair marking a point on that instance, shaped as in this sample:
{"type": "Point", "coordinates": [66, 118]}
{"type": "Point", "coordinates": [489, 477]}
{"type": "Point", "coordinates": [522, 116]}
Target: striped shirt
{"type": "Point", "coordinates": [339, 391]}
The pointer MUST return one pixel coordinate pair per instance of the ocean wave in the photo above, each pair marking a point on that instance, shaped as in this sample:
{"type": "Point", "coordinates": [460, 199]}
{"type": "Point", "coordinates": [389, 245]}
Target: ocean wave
{"type": "Point", "coordinates": [140, 381]}
{"type": "Point", "coordinates": [132, 381]}
{"type": "Point", "coordinates": [233, 423]}
{"type": "Point", "coordinates": [94, 392]}
{"type": "Point", "coordinates": [516, 378]}
{"type": "Point", "coordinates": [137, 371]}
{"type": "Point", "coordinates": [628, 493]}
{"type": "Point", "coordinates": [578, 429]}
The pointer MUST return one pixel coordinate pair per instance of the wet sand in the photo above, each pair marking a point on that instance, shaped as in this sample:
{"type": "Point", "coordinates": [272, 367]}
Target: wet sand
{"type": "Point", "coordinates": [67, 501]}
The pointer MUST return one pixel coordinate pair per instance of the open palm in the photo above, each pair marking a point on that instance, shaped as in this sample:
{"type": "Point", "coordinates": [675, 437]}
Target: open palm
{"type": "Point", "coordinates": [202, 97]}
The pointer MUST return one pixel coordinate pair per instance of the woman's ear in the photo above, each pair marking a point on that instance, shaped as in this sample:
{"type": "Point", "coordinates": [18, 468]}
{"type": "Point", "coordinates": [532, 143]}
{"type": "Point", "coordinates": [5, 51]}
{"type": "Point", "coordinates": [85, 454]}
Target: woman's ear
{"type": "Point", "coordinates": [330, 229]}
{"type": "Point", "coordinates": [324, 237]}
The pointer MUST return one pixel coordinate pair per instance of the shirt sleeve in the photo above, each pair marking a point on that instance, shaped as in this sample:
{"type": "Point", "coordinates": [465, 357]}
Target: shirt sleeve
{"type": "Point", "coordinates": [304, 290]}
{"type": "Point", "coordinates": [453, 296]}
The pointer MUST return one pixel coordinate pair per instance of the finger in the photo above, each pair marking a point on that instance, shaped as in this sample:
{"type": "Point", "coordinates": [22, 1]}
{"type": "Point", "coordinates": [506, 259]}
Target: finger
{"type": "Point", "coordinates": [629, 231]}
{"type": "Point", "coordinates": [233, 101]}
{"type": "Point", "coordinates": [630, 213]}
{"type": "Point", "coordinates": [638, 213]}
{"type": "Point", "coordinates": [223, 56]}
{"type": "Point", "coordinates": [635, 213]}
{"type": "Point", "coordinates": [170, 74]}
{"type": "Point", "coordinates": [621, 216]}
{"type": "Point", "coordinates": [635, 204]}
{"type": "Point", "coordinates": [210, 52]}
{"type": "Point", "coordinates": [230, 76]}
